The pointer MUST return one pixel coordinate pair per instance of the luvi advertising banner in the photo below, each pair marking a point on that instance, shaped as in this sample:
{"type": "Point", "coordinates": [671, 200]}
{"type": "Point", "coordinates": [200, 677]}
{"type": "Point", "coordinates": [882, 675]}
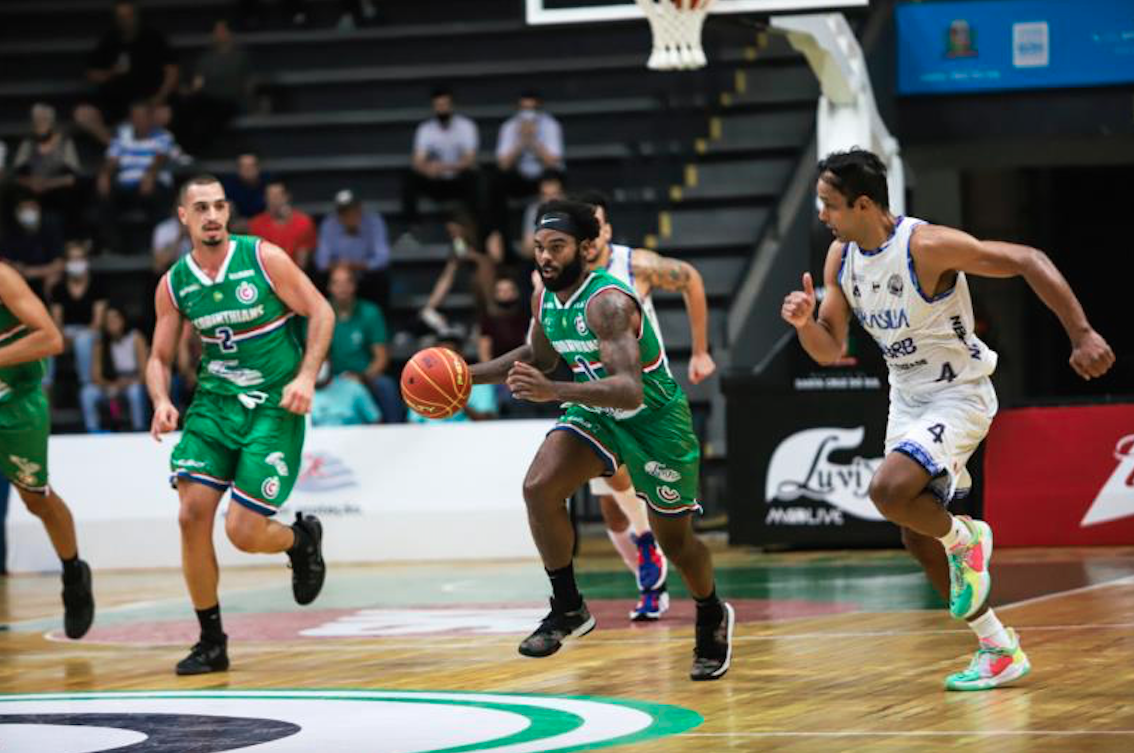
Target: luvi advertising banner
{"type": "Point", "coordinates": [963, 47]}
{"type": "Point", "coordinates": [406, 492]}
{"type": "Point", "coordinates": [1061, 476]}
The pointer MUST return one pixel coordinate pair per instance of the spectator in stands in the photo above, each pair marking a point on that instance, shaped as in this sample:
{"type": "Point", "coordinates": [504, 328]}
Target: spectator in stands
{"type": "Point", "coordinates": [135, 174]}
{"type": "Point", "coordinates": [245, 190]}
{"type": "Point", "coordinates": [341, 400]}
{"type": "Point", "coordinates": [116, 383]}
{"type": "Point", "coordinates": [34, 246]}
{"type": "Point", "coordinates": [78, 304]}
{"type": "Point", "coordinates": [47, 166]}
{"type": "Point", "coordinates": [463, 237]}
{"type": "Point", "coordinates": [357, 238]}
{"type": "Point", "coordinates": [529, 144]}
{"type": "Point", "coordinates": [218, 91]}
{"type": "Point", "coordinates": [482, 405]}
{"type": "Point", "coordinates": [133, 62]}
{"type": "Point", "coordinates": [170, 241]}
{"type": "Point", "coordinates": [504, 326]}
{"type": "Point", "coordinates": [550, 188]}
{"type": "Point", "coordinates": [358, 346]}
{"type": "Point", "coordinates": [289, 228]}
{"type": "Point", "coordinates": [444, 160]}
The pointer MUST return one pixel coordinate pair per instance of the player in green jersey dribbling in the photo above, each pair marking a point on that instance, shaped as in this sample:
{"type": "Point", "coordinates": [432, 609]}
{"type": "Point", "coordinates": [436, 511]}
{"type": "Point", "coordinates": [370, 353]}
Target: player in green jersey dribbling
{"type": "Point", "coordinates": [623, 408]}
{"type": "Point", "coordinates": [244, 429]}
{"type": "Point", "coordinates": [27, 337]}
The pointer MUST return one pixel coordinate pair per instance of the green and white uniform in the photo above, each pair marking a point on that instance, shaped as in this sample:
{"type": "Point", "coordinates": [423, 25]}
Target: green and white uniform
{"type": "Point", "coordinates": [25, 417]}
{"type": "Point", "coordinates": [655, 441]}
{"type": "Point", "coordinates": [235, 432]}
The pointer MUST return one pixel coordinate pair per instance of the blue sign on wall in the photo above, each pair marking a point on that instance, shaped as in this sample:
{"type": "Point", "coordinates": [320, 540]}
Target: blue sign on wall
{"type": "Point", "coordinates": [960, 47]}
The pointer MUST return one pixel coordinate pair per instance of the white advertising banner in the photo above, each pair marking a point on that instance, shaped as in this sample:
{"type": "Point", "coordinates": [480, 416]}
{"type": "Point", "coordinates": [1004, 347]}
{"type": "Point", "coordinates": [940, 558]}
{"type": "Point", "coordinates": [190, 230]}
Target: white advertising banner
{"type": "Point", "coordinates": [383, 493]}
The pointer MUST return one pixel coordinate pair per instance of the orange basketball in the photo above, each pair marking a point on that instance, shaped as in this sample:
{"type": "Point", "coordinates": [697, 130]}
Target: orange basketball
{"type": "Point", "coordinates": [436, 382]}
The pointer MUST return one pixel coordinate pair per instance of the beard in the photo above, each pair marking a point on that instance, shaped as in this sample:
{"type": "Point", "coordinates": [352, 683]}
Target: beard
{"type": "Point", "coordinates": [567, 276]}
{"type": "Point", "coordinates": [213, 241]}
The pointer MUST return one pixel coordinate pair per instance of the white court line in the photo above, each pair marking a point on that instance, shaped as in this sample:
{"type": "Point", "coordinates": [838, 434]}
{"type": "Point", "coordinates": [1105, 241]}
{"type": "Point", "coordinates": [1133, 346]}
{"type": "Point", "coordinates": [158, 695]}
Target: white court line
{"type": "Point", "coordinates": [1123, 581]}
{"type": "Point", "coordinates": [919, 733]}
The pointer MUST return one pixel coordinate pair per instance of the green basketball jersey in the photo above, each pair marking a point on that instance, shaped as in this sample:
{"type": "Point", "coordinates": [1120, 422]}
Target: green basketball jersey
{"type": "Point", "coordinates": [21, 378]}
{"type": "Point", "coordinates": [248, 333]}
{"type": "Point", "coordinates": [566, 327]}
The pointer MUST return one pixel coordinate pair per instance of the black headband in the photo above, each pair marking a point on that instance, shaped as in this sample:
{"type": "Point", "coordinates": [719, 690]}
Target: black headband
{"type": "Point", "coordinates": [558, 221]}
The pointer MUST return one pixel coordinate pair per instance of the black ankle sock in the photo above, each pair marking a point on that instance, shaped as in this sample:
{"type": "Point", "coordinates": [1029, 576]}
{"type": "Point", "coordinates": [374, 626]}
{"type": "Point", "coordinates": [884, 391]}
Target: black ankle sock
{"type": "Point", "coordinates": [72, 573]}
{"type": "Point", "coordinates": [211, 631]}
{"type": "Point", "coordinates": [710, 610]}
{"type": "Point", "coordinates": [567, 596]}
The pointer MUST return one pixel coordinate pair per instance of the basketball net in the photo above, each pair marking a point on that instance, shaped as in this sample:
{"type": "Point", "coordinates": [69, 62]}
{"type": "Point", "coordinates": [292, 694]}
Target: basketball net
{"type": "Point", "coordinates": [676, 29]}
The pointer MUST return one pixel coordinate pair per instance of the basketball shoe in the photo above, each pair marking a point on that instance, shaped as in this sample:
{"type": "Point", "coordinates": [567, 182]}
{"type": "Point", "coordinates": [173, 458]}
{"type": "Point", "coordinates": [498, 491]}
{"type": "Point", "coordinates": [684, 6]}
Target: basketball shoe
{"type": "Point", "coordinates": [712, 652]}
{"type": "Point", "coordinates": [652, 564]}
{"type": "Point", "coordinates": [308, 570]}
{"type": "Point", "coordinates": [652, 604]}
{"type": "Point", "coordinates": [203, 658]}
{"type": "Point", "coordinates": [992, 666]}
{"type": "Point", "coordinates": [555, 628]}
{"type": "Point", "coordinates": [78, 603]}
{"type": "Point", "coordinates": [969, 581]}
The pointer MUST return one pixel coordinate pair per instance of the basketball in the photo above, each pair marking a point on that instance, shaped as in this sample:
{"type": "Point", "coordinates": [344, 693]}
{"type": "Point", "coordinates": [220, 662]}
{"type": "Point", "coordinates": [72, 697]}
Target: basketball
{"type": "Point", "coordinates": [436, 383]}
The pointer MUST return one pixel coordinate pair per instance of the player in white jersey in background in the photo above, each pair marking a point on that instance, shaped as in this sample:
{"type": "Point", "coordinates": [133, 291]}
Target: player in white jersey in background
{"type": "Point", "coordinates": [904, 280]}
{"type": "Point", "coordinates": [623, 512]}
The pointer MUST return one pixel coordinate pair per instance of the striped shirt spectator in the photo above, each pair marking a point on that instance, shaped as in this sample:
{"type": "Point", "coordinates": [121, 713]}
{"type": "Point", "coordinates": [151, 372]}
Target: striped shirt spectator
{"type": "Point", "coordinates": [135, 152]}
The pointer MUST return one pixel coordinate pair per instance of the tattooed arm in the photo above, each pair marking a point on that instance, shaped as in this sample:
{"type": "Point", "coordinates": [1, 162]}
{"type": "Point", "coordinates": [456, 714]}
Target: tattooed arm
{"type": "Point", "coordinates": [657, 271]}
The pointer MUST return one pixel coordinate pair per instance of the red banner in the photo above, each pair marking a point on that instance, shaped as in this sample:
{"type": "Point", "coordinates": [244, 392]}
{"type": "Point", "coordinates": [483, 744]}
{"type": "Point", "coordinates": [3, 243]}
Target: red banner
{"type": "Point", "coordinates": [1061, 476]}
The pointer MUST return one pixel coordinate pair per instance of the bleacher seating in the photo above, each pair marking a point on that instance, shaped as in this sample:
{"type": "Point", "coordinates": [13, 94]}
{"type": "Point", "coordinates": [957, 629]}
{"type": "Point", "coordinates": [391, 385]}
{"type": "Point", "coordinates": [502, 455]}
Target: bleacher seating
{"type": "Point", "coordinates": [694, 161]}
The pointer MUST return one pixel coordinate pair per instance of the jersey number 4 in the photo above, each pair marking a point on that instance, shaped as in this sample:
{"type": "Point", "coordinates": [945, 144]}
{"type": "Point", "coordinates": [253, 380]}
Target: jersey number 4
{"type": "Point", "coordinates": [226, 336]}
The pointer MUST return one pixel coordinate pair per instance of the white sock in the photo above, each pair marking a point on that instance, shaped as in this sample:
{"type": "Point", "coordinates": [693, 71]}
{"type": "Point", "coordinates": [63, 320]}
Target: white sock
{"type": "Point", "coordinates": [988, 629]}
{"type": "Point", "coordinates": [625, 546]}
{"type": "Point", "coordinates": [635, 510]}
{"type": "Point", "coordinates": [959, 535]}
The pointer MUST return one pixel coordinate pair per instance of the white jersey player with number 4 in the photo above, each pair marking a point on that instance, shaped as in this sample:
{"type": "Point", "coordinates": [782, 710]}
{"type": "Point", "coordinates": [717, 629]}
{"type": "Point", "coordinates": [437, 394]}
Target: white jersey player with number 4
{"type": "Point", "coordinates": [938, 368]}
{"type": "Point", "coordinates": [904, 280]}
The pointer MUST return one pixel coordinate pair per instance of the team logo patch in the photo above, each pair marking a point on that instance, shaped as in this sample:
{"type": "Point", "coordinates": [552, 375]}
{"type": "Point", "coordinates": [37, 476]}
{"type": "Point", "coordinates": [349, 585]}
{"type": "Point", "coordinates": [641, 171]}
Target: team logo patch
{"type": "Point", "coordinates": [276, 460]}
{"type": "Point", "coordinates": [271, 487]}
{"type": "Point", "coordinates": [246, 292]}
{"type": "Point", "coordinates": [218, 296]}
{"type": "Point", "coordinates": [27, 470]}
{"type": "Point", "coordinates": [658, 470]}
{"type": "Point", "coordinates": [669, 494]}
{"type": "Point", "coordinates": [580, 325]}
{"type": "Point", "coordinates": [895, 284]}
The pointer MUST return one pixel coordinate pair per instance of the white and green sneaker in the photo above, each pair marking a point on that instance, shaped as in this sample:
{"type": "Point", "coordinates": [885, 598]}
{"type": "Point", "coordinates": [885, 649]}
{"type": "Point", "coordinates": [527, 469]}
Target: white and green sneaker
{"type": "Point", "coordinates": [992, 666]}
{"type": "Point", "coordinates": [969, 580]}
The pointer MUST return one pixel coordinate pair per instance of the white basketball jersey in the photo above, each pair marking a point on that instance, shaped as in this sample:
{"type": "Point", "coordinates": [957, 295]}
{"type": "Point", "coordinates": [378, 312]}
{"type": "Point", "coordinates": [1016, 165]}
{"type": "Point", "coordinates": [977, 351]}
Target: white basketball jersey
{"type": "Point", "coordinates": [621, 266]}
{"type": "Point", "coordinates": [928, 342]}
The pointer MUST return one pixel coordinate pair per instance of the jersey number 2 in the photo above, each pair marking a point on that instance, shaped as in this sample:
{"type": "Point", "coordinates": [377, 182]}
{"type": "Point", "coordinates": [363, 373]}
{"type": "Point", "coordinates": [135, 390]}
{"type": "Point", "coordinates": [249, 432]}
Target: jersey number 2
{"type": "Point", "coordinates": [226, 339]}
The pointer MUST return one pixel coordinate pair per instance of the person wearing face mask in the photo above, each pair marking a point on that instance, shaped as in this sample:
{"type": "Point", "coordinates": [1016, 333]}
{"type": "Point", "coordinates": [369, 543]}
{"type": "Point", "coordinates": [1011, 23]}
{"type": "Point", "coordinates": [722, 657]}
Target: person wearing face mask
{"type": "Point", "coordinates": [444, 159]}
{"type": "Point", "coordinates": [34, 245]}
{"type": "Point", "coordinates": [78, 305]}
{"type": "Point", "coordinates": [47, 165]}
{"type": "Point", "coordinates": [503, 328]}
{"type": "Point", "coordinates": [530, 143]}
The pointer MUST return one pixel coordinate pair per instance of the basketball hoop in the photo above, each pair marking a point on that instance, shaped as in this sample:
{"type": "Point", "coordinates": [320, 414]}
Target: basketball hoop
{"type": "Point", "coordinates": [676, 29]}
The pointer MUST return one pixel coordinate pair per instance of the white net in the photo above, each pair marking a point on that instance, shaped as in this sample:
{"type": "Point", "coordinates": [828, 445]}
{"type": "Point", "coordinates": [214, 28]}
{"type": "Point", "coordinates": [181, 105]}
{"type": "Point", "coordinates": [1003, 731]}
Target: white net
{"type": "Point", "coordinates": [676, 28]}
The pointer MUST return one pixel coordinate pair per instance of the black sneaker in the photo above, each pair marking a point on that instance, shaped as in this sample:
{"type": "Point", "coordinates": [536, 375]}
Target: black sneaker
{"type": "Point", "coordinates": [557, 627]}
{"type": "Point", "coordinates": [713, 651]}
{"type": "Point", "coordinates": [205, 657]}
{"type": "Point", "coordinates": [78, 604]}
{"type": "Point", "coordinates": [307, 568]}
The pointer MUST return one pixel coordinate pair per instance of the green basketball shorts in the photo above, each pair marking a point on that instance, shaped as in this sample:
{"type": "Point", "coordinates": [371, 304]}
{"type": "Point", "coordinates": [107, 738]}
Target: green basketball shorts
{"type": "Point", "coordinates": [25, 424]}
{"type": "Point", "coordinates": [658, 448]}
{"type": "Point", "coordinates": [257, 451]}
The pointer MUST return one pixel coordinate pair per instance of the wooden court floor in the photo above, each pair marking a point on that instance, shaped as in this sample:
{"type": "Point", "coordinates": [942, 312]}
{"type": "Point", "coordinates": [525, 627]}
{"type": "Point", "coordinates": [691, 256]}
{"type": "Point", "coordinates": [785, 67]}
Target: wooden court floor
{"type": "Point", "coordinates": [834, 651]}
